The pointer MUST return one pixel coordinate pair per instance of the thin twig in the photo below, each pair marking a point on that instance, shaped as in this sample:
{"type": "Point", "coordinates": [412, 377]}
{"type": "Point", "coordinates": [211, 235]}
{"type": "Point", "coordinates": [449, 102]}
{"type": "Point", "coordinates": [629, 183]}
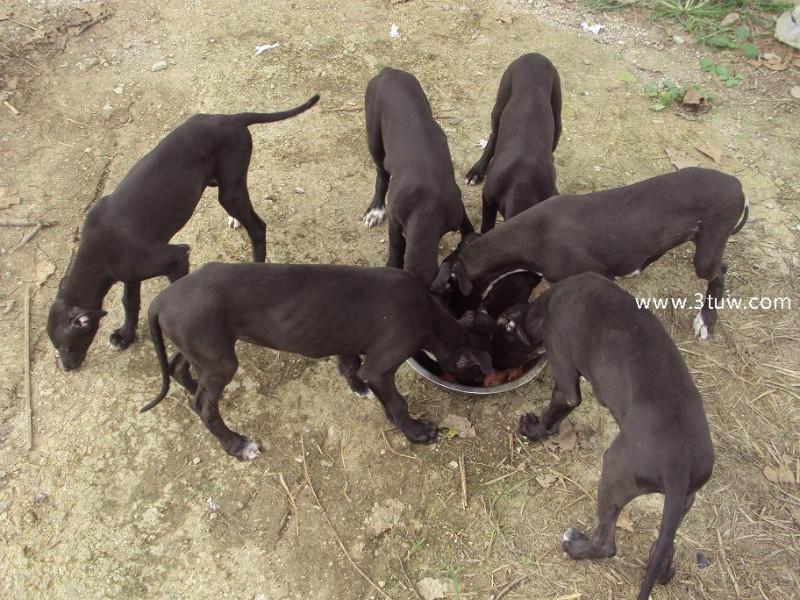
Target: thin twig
{"type": "Point", "coordinates": [333, 529]}
{"type": "Point", "coordinates": [17, 223]}
{"type": "Point", "coordinates": [37, 228]}
{"type": "Point", "coordinates": [27, 360]}
{"type": "Point", "coordinates": [510, 586]}
{"type": "Point", "coordinates": [345, 109]}
{"type": "Point", "coordinates": [19, 56]}
{"type": "Point", "coordinates": [463, 481]}
{"type": "Point", "coordinates": [14, 110]}
{"type": "Point", "coordinates": [408, 579]}
{"type": "Point", "coordinates": [20, 23]}
{"type": "Point", "coordinates": [392, 450]}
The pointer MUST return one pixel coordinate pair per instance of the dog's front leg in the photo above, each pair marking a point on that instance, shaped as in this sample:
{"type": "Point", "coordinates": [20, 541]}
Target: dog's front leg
{"type": "Point", "coordinates": [396, 408]}
{"type": "Point", "coordinates": [131, 300]}
{"type": "Point", "coordinates": [488, 215]}
{"type": "Point", "coordinates": [566, 397]}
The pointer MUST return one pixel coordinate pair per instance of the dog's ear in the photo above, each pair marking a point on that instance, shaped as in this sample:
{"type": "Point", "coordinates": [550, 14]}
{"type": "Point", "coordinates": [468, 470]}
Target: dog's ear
{"type": "Point", "coordinates": [512, 327]}
{"type": "Point", "coordinates": [84, 319]}
{"type": "Point", "coordinates": [439, 284]}
{"type": "Point", "coordinates": [460, 274]}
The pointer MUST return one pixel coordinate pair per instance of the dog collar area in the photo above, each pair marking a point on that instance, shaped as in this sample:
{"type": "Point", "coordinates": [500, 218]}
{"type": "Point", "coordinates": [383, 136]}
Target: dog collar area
{"type": "Point", "coordinates": [494, 281]}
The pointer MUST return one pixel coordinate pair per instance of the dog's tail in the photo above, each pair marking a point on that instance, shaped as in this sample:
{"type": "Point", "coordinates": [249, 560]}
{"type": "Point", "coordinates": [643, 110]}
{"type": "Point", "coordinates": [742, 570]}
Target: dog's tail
{"type": "Point", "coordinates": [743, 218]}
{"type": "Point", "coordinates": [253, 118]}
{"type": "Point", "coordinates": [161, 353]}
{"type": "Point", "coordinates": [674, 509]}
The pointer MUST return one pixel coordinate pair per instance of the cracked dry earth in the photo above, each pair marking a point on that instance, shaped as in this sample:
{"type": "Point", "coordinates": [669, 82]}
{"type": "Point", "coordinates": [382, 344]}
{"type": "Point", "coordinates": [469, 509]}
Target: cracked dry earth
{"type": "Point", "coordinates": [110, 503]}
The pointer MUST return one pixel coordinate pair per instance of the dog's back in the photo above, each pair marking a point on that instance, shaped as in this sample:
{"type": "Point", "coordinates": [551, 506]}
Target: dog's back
{"type": "Point", "coordinates": [314, 310]}
{"type": "Point", "coordinates": [635, 369]}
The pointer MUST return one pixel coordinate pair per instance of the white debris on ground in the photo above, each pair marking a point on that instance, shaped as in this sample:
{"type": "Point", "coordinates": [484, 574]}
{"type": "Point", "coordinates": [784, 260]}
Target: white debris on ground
{"type": "Point", "coordinates": [394, 31]}
{"type": "Point", "coordinates": [593, 29]}
{"type": "Point", "coordinates": [263, 48]}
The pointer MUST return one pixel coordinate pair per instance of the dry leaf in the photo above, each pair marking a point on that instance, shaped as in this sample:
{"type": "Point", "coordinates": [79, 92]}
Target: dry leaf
{"type": "Point", "coordinates": [567, 438]}
{"type": "Point", "coordinates": [729, 19]}
{"type": "Point", "coordinates": [692, 97]}
{"type": "Point", "coordinates": [460, 425]}
{"type": "Point", "coordinates": [715, 153]}
{"type": "Point", "coordinates": [8, 197]}
{"type": "Point", "coordinates": [624, 522]}
{"type": "Point", "coordinates": [546, 480]}
{"type": "Point", "coordinates": [42, 268]}
{"type": "Point", "coordinates": [781, 474]}
{"type": "Point", "coordinates": [774, 62]}
{"type": "Point", "coordinates": [679, 159]}
{"type": "Point", "coordinates": [795, 92]}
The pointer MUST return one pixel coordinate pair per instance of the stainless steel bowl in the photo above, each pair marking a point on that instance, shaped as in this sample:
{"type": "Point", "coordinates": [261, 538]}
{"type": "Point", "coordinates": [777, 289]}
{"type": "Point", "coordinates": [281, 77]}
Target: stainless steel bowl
{"type": "Point", "coordinates": [534, 369]}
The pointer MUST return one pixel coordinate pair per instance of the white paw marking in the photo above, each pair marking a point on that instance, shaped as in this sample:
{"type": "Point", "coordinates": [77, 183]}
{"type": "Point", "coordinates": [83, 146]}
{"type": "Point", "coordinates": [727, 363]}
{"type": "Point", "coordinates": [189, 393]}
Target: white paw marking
{"type": "Point", "coordinates": [250, 451]}
{"type": "Point", "coordinates": [233, 223]}
{"type": "Point", "coordinates": [568, 534]}
{"type": "Point", "coordinates": [374, 217]}
{"type": "Point", "coordinates": [700, 327]}
{"type": "Point", "coordinates": [634, 274]}
{"type": "Point", "coordinates": [113, 347]}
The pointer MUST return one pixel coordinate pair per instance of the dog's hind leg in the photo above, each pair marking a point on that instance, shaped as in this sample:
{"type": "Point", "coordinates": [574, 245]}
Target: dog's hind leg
{"type": "Point", "coordinates": [376, 211]}
{"type": "Point", "coordinates": [668, 570]}
{"type": "Point", "coordinates": [348, 366]}
{"type": "Point", "coordinates": [566, 397]}
{"type": "Point", "coordinates": [488, 214]}
{"type": "Point", "coordinates": [617, 487]}
{"type": "Point", "coordinates": [235, 199]}
{"type": "Point", "coordinates": [478, 171]}
{"type": "Point", "coordinates": [397, 246]}
{"type": "Point", "coordinates": [708, 265]}
{"type": "Point", "coordinates": [215, 370]}
{"type": "Point", "coordinates": [180, 369]}
{"type": "Point", "coordinates": [131, 301]}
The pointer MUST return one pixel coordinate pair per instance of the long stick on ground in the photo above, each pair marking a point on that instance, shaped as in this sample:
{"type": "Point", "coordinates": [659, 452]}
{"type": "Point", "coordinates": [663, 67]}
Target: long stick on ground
{"type": "Point", "coordinates": [333, 529]}
{"type": "Point", "coordinates": [26, 357]}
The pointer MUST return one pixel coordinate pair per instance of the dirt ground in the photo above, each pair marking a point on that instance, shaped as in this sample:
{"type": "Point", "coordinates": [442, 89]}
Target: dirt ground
{"type": "Point", "coordinates": [110, 503]}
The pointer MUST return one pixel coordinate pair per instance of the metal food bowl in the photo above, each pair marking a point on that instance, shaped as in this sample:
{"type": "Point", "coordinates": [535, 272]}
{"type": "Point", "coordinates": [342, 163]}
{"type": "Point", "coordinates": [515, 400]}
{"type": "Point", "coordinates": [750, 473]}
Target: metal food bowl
{"type": "Point", "coordinates": [534, 368]}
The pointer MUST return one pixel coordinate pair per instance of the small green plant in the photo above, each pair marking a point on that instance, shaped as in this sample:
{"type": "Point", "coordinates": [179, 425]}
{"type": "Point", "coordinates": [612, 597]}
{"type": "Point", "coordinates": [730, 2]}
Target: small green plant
{"type": "Point", "coordinates": [416, 545]}
{"type": "Point", "coordinates": [664, 94]}
{"type": "Point", "coordinates": [725, 73]}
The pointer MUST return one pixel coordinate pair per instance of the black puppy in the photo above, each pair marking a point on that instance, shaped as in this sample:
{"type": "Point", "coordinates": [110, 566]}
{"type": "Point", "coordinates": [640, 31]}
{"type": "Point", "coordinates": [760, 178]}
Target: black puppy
{"type": "Point", "coordinates": [526, 126]}
{"type": "Point", "coordinates": [614, 233]}
{"type": "Point", "coordinates": [314, 310]}
{"type": "Point", "coordinates": [126, 234]}
{"type": "Point", "coordinates": [592, 328]}
{"type": "Point", "coordinates": [408, 145]}
{"type": "Point", "coordinates": [493, 294]}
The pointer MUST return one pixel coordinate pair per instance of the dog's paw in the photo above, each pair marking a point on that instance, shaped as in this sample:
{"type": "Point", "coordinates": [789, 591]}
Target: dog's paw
{"type": "Point", "coordinates": [233, 223]}
{"type": "Point", "coordinates": [421, 432]}
{"type": "Point", "coordinates": [473, 177]}
{"type": "Point", "coordinates": [247, 450]}
{"type": "Point", "coordinates": [701, 329]}
{"type": "Point", "coordinates": [666, 575]}
{"type": "Point", "coordinates": [374, 217]}
{"type": "Point", "coordinates": [120, 340]}
{"type": "Point", "coordinates": [532, 428]}
{"type": "Point", "coordinates": [573, 542]}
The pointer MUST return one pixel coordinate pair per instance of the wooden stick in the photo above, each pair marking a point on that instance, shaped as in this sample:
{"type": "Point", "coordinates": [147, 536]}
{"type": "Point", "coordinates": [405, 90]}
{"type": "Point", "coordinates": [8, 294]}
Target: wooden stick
{"type": "Point", "coordinates": [27, 238]}
{"type": "Point", "coordinates": [19, 23]}
{"type": "Point", "coordinates": [391, 448]}
{"type": "Point", "coordinates": [510, 586]}
{"type": "Point", "coordinates": [333, 529]}
{"type": "Point", "coordinates": [27, 360]}
{"type": "Point", "coordinates": [14, 110]}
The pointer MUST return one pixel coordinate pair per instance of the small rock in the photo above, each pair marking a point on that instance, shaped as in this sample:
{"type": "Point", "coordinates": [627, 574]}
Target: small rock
{"type": "Point", "coordinates": [159, 66]}
{"type": "Point", "coordinates": [432, 589]}
{"type": "Point", "coordinates": [702, 561]}
{"type": "Point", "coordinates": [108, 110]}
{"type": "Point", "coordinates": [384, 516]}
{"type": "Point", "coordinates": [453, 464]}
{"type": "Point", "coordinates": [729, 19]}
{"type": "Point", "coordinates": [119, 89]}
{"type": "Point", "coordinates": [795, 92]}
{"type": "Point", "coordinates": [678, 40]}
{"type": "Point", "coordinates": [196, 460]}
